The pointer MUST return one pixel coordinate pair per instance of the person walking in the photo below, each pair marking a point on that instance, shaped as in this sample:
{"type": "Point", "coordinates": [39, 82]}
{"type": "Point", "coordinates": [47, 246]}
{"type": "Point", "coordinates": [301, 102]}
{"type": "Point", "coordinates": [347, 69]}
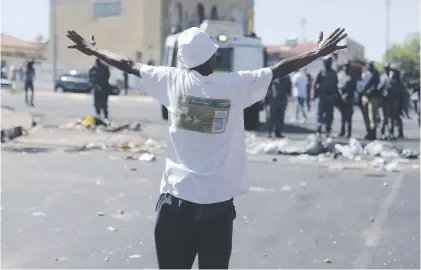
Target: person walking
{"type": "Point", "coordinates": [126, 82]}
{"type": "Point", "coordinates": [99, 75]}
{"type": "Point", "coordinates": [325, 90]}
{"type": "Point", "coordinates": [346, 88]}
{"type": "Point", "coordinates": [277, 96]}
{"type": "Point", "coordinates": [29, 83]}
{"type": "Point", "coordinates": [205, 165]}
{"type": "Point", "coordinates": [309, 87]}
{"type": "Point", "coordinates": [299, 82]}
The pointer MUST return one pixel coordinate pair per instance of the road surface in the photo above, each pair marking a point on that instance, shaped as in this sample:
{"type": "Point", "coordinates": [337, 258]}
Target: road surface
{"type": "Point", "coordinates": [95, 209]}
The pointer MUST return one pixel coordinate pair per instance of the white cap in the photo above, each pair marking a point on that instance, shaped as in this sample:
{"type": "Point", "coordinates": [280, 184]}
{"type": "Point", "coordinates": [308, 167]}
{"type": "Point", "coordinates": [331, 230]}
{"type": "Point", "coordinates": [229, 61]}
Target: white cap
{"type": "Point", "coordinates": [195, 47]}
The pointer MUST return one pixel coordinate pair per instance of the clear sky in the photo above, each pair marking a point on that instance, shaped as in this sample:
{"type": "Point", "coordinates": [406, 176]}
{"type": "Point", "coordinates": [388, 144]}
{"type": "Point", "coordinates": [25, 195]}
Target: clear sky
{"type": "Point", "coordinates": [276, 20]}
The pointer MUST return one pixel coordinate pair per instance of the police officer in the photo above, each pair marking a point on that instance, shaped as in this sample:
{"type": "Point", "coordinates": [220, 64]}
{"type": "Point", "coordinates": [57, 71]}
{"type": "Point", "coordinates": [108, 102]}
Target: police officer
{"type": "Point", "coordinates": [370, 101]}
{"type": "Point", "coordinates": [346, 87]}
{"type": "Point", "coordinates": [99, 75]}
{"type": "Point", "coordinates": [325, 89]}
{"type": "Point", "coordinates": [277, 99]}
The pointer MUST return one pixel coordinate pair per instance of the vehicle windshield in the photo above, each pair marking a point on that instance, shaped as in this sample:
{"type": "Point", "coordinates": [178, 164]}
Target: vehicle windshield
{"type": "Point", "coordinates": [224, 60]}
{"type": "Point", "coordinates": [77, 75]}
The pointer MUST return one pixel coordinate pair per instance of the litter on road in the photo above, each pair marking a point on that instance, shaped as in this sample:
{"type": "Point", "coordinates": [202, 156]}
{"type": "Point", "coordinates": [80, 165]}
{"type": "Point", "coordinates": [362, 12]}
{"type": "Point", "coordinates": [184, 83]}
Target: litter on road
{"type": "Point", "coordinates": [97, 124]}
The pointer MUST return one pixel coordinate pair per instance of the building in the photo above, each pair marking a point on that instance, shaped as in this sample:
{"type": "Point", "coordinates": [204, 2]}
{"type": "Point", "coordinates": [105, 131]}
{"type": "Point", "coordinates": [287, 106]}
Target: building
{"type": "Point", "coordinates": [354, 53]}
{"type": "Point", "coordinates": [134, 28]}
{"type": "Point", "coordinates": [15, 52]}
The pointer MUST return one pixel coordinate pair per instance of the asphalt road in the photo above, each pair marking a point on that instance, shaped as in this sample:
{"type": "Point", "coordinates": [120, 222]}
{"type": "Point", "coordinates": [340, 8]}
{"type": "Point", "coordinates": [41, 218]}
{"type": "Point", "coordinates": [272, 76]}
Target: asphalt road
{"type": "Point", "coordinates": [295, 216]}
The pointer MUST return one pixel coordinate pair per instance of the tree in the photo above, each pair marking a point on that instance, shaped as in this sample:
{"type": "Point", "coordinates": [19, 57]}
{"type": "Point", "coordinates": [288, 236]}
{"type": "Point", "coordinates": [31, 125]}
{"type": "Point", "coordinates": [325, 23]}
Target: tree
{"type": "Point", "coordinates": [407, 57]}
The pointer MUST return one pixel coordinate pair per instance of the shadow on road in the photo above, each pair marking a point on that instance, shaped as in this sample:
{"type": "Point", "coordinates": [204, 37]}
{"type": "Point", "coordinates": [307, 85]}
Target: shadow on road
{"type": "Point", "coordinates": [27, 150]}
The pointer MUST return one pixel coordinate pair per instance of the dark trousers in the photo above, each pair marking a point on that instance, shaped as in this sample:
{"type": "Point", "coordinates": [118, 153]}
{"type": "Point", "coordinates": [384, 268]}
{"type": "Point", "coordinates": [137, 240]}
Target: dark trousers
{"type": "Point", "coordinates": [277, 117]}
{"type": "Point", "coordinates": [101, 103]}
{"type": "Point", "coordinates": [347, 110]}
{"type": "Point", "coordinates": [325, 113]}
{"type": "Point", "coordinates": [29, 86]}
{"type": "Point", "coordinates": [184, 229]}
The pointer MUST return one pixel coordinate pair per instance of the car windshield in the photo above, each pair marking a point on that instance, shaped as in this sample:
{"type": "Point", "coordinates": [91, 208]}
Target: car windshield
{"type": "Point", "coordinates": [77, 75]}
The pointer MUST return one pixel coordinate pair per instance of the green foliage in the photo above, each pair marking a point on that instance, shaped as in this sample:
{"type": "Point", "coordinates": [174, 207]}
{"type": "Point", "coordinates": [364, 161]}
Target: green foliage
{"type": "Point", "coordinates": [407, 57]}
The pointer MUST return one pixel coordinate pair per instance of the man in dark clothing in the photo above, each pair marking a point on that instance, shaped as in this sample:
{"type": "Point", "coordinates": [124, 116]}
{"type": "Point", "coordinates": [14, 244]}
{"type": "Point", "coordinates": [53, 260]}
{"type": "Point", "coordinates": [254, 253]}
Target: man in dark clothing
{"type": "Point", "coordinates": [346, 86]}
{"type": "Point", "coordinates": [370, 102]}
{"type": "Point", "coordinates": [99, 75]}
{"type": "Point", "coordinates": [325, 89]}
{"type": "Point", "coordinates": [394, 92]}
{"type": "Point", "coordinates": [29, 82]}
{"type": "Point", "coordinates": [277, 99]}
{"type": "Point", "coordinates": [126, 82]}
{"type": "Point", "coordinates": [309, 86]}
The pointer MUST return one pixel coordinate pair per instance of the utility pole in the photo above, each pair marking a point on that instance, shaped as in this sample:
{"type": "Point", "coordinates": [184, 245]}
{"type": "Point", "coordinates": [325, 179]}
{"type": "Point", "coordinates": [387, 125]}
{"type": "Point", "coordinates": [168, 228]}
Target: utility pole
{"type": "Point", "coordinates": [53, 37]}
{"type": "Point", "coordinates": [303, 29]}
{"type": "Point", "coordinates": [387, 28]}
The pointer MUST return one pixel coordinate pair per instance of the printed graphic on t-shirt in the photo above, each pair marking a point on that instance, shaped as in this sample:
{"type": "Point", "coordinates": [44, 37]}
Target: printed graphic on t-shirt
{"type": "Point", "coordinates": [202, 114]}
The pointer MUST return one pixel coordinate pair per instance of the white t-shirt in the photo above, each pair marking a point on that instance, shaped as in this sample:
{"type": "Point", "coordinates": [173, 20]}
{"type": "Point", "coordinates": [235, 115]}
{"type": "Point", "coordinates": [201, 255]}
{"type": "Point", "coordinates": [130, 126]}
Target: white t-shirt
{"type": "Point", "coordinates": [299, 82]}
{"type": "Point", "coordinates": [206, 145]}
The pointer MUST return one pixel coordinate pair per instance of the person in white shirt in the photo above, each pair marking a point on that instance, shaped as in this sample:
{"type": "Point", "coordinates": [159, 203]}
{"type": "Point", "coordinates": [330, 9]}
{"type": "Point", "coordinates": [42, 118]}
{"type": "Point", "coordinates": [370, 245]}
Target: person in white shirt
{"type": "Point", "coordinates": [299, 81]}
{"type": "Point", "coordinates": [205, 165]}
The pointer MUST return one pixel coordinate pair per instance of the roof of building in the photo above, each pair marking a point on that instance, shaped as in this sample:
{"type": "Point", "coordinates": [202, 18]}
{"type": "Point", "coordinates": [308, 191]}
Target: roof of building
{"type": "Point", "coordinates": [11, 41]}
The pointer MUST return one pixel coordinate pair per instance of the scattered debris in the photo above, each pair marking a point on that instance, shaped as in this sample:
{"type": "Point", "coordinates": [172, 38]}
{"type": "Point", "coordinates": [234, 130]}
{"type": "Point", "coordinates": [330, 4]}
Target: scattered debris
{"type": "Point", "coordinates": [352, 150]}
{"type": "Point", "coordinates": [62, 259]}
{"type": "Point", "coordinates": [384, 150]}
{"type": "Point", "coordinates": [112, 229]}
{"type": "Point", "coordinates": [327, 261]}
{"type": "Point", "coordinates": [121, 212]}
{"type": "Point", "coordinates": [385, 184]}
{"type": "Point", "coordinates": [260, 189]}
{"type": "Point", "coordinates": [133, 169]}
{"type": "Point", "coordinates": [135, 256]}
{"type": "Point", "coordinates": [39, 214]}
{"type": "Point", "coordinates": [143, 157]}
{"type": "Point", "coordinates": [100, 214]}
{"type": "Point", "coordinates": [106, 259]}
{"type": "Point", "coordinates": [97, 124]}
{"type": "Point", "coordinates": [286, 188]}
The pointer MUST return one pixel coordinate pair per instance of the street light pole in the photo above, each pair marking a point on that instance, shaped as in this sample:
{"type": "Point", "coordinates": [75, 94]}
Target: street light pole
{"type": "Point", "coordinates": [387, 28]}
{"type": "Point", "coordinates": [53, 37]}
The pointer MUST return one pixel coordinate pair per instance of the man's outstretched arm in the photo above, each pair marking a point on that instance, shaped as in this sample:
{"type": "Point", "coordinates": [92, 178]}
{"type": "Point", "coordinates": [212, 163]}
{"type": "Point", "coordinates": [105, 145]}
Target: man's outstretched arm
{"type": "Point", "coordinates": [89, 48]}
{"type": "Point", "coordinates": [120, 62]}
{"type": "Point", "coordinates": [323, 48]}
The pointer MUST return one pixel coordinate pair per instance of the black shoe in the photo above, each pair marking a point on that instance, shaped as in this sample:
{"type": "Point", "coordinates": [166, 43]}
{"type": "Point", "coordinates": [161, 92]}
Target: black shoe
{"type": "Point", "coordinates": [341, 134]}
{"type": "Point", "coordinates": [348, 136]}
{"type": "Point", "coordinates": [280, 136]}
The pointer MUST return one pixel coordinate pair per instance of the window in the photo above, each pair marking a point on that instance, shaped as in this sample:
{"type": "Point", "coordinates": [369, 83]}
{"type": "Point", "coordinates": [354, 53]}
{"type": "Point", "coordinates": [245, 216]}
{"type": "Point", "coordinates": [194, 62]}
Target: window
{"type": "Point", "coordinates": [200, 13]}
{"type": "Point", "coordinates": [107, 9]}
{"type": "Point", "coordinates": [224, 60]}
{"type": "Point", "coordinates": [214, 13]}
{"type": "Point", "coordinates": [179, 15]}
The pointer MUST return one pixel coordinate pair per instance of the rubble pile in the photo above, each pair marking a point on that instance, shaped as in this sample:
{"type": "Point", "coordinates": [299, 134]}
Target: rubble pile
{"type": "Point", "coordinates": [383, 156]}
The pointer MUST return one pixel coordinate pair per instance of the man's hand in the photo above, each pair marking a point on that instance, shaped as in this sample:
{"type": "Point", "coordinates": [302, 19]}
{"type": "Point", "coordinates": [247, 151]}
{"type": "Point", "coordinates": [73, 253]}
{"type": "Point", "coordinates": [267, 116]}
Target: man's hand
{"type": "Point", "coordinates": [81, 44]}
{"type": "Point", "coordinates": [328, 46]}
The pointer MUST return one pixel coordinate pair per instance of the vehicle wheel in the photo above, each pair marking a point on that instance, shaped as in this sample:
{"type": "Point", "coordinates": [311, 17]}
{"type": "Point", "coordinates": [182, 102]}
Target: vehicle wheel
{"type": "Point", "coordinates": [60, 89]}
{"type": "Point", "coordinates": [164, 113]}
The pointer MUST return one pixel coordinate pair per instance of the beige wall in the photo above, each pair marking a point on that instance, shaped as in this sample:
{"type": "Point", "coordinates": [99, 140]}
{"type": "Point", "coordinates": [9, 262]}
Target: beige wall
{"type": "Point", "coordinates": [142, 26]}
